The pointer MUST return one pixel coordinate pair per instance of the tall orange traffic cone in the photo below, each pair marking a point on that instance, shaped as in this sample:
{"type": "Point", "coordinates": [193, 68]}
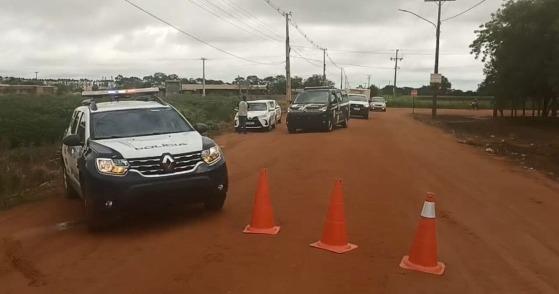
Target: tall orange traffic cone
{"type": "Point", "coordinates": [423, 253]}
{"type": "Point", "coordinates": [262, 214]}
{"type": "Point", "coordinates": [334, 236]}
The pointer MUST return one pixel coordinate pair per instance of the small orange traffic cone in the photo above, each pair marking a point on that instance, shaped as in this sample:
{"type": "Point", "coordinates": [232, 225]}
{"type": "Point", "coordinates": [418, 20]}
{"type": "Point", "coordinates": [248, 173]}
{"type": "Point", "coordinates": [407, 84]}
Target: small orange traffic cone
{"type": "Point", "coordinates": [262, 214]}
{"type": "Point", "coordinates": [423, 253]}
{"type": "Point", "coordinates": [334, 236]}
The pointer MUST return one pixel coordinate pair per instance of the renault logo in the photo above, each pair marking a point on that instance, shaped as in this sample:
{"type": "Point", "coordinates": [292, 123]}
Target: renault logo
{"type": "Point", "coordinates": [168, 163]}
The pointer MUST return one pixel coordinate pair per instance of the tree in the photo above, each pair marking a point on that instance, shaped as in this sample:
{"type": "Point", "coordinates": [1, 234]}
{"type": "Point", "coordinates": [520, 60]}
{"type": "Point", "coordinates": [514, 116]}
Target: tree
{"type": "Point", "coordinates": [316, 81]}
{"type": "Point", "coordinates": [520, 46]}
{"type": "Point", "coordinates": [375, 91]}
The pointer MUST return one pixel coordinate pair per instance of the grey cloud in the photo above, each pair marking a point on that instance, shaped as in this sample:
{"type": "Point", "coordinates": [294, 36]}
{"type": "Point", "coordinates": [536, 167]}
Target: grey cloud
{"type": "Point", "coordinates": [78, 38]}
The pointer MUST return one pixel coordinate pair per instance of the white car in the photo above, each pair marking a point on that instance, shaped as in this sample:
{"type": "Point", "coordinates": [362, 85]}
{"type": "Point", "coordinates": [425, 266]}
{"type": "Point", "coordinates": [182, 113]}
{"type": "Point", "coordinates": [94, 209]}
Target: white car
{"type": "Point", "coordinates": [262, 114]}
{"type": "Point", "coordinates": [378, 103]}
{"type": "Point", "coordinates": [359, 105]}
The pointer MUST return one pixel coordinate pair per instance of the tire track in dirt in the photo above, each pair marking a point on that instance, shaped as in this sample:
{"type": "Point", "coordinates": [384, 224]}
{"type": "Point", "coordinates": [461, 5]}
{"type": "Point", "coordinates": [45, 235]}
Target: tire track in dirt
{"type": "Point", "coordinates": [15, 257]}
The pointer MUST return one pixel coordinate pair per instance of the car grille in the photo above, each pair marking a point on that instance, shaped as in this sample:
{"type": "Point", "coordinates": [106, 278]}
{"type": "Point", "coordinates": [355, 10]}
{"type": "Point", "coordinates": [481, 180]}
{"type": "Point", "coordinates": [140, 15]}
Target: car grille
{"type": "Point", "coordinates": [151, 166]}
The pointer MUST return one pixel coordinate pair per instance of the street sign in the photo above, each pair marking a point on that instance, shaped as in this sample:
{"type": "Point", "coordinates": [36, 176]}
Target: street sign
{"type": "Point", "coordinates": [414, 93]}
{"type": "Point", "coordinates": [436, 79]}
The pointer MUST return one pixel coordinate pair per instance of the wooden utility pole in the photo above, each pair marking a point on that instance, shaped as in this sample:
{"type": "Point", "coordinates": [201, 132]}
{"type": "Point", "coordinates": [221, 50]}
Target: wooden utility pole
{"type": "Point", "coordinates": [287, 59]}
{"type": "Point", "coordinates": [341, 78]}
{"type": "Point", "coordinates": [203, 77]}
{"type": "Point", "coordinates": [395, 59]}
{"type": "Point", "coordinates": [436, 87]}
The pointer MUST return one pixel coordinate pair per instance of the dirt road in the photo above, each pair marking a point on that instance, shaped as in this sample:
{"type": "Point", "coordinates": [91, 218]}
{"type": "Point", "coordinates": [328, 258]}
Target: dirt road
{"type": "Point", "coordinates": [498, 226]}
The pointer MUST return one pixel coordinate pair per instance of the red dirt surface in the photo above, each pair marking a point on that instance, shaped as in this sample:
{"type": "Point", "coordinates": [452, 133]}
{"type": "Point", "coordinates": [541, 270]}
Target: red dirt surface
{"type": "Point", "coordinates": [498, 226]}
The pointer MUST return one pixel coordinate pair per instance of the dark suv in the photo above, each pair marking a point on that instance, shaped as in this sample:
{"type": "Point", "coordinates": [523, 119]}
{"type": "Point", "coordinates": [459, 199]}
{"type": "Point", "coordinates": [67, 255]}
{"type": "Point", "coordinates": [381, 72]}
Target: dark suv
{"type": "Point", "coordinates": [318, 108]}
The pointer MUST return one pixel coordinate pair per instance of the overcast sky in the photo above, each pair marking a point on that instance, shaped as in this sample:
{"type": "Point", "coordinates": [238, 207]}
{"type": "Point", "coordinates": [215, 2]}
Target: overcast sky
{"type": "Point", "coordinates": [92, 39]}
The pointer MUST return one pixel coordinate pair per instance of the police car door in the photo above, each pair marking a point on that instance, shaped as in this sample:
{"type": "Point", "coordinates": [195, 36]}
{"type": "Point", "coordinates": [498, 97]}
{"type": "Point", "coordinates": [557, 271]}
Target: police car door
{"type": "Point", "coordinates": [336, 103]}
{"type": "Point", "coordinates": [73, 152]}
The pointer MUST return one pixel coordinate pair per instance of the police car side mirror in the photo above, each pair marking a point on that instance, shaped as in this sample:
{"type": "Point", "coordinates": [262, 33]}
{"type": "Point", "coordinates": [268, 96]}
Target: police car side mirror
{"type": "Point", "coordinates": [201, 128]}
{"type": "Point", "coordinates": [72, 140]}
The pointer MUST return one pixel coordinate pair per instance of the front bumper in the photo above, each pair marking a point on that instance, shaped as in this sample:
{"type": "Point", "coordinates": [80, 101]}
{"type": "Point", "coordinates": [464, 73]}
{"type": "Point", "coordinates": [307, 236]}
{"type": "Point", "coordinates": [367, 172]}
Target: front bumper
{"type": "Point", "coordinates": [306, 120]}
{"type": "Point", "coordinates": [357, 109]}
{"type": "Point", "coordinates": [134, 189]}
{"type": "Point", "coordinates": [254, 123]}
{"type": "Point", "coordinates": [379, 107]}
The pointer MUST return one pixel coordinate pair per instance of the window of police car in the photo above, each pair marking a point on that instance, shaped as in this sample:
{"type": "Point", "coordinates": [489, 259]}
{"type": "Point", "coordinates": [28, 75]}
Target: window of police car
{"type": "Point", "coordinates": [136, 123]}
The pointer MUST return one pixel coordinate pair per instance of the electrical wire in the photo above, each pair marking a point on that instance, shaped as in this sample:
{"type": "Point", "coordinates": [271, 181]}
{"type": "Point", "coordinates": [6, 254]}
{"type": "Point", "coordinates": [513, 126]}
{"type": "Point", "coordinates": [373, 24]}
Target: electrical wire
{"type": "Point", "coordinates": [465, 11]}
{"type": "Point", "coordinates": [192, 36]}
{"type": "Point", "coordinates": [255, 19]}
{"type": "Point", "coordinates": [230, 14]}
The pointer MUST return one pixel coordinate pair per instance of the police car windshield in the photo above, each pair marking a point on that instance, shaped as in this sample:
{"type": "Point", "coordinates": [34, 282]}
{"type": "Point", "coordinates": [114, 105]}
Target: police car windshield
{"type": "Point", "coordinates": [137, 122]}
{"type": "Point", "coordinates": [378, 100]}
{"type": "Point", "coordinates": [312, 97]}
{"type": "Point", "coordinates": [358, 98]}
{"type": "Point", "coordinates": [257, 107]}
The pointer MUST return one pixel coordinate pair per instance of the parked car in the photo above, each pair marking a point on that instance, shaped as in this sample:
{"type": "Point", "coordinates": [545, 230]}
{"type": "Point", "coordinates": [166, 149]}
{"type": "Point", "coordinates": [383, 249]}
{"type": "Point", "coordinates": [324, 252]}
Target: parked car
{"type": "Point", "coordinates": [378, 103]}
{"type": "Point", "coordinates": [359, 105]}
{"type": "Point", "coordinates": [262, 114]}
{"type": "Point", "coordinates": [318, 108]}
{"type": "Point", "coordinates": [142, 150]}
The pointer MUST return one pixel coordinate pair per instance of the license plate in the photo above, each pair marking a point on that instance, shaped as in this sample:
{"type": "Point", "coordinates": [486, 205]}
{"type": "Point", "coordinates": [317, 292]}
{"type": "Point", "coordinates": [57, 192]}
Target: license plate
{"type": "Point", "coordinates": [250, 123]}
{"type": "Point", "coordinates": [356, 108]}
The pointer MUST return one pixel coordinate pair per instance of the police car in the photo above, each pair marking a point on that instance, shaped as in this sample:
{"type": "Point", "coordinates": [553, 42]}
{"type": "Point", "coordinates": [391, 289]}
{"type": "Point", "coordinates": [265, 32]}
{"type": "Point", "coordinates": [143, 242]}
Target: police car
{"type": "Point", "coordinates": [262, 114]}
{"type": "Point", "coordinates": [136, 149]}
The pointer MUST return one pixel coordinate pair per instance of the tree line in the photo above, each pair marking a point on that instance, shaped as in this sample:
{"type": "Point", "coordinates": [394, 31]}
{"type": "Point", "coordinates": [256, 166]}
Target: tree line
{"type": "Point", "coordinates": [520, 49]}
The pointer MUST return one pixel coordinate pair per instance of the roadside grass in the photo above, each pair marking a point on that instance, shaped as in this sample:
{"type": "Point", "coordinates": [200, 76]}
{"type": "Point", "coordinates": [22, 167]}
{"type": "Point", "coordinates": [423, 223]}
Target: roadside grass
{"type": "Point", "coordinates": [25, 170]}
{"type": "Point", "coordinates": [443, 102]}
{"type": "Point", "coordinates": [31, 128]}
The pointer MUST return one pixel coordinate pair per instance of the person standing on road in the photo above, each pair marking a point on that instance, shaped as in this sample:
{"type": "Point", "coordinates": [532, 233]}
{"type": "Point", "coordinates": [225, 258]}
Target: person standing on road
{"type": "Point", "coordinates": [242, 114]}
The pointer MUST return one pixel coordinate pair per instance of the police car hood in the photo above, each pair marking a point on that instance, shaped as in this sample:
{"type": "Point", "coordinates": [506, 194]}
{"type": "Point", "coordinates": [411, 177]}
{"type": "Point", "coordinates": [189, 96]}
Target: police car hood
{"type": "Point", "coordinates": [152, 146]}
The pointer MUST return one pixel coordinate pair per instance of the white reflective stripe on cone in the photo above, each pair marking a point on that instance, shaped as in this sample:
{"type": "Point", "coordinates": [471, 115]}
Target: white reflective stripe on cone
{"type": "Point", "coordinates": [428, 210]}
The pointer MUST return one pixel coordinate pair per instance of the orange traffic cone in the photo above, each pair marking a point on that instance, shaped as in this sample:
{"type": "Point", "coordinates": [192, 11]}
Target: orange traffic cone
{"type": "Point", "coordinates": [334, 236]}
{"type": "Point", "coordinates": [423, 253]}
{"type": "Point", "coordinates": [262, 214]}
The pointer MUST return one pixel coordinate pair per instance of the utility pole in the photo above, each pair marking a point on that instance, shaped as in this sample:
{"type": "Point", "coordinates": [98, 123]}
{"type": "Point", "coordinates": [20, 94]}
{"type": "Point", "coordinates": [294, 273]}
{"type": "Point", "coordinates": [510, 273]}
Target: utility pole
{"type": "Point", "coordinates": [287, 60]}
{"type": "Point", "coordinates": [341, 78]}
{"type": "Point", "coordinates": [369, 82]}
{"type": "Point", "coordinates": [324, 66]}
{"type": "Point", "coordinates": [436, 87]}
{"type": "Point", "coordinates": [36, 74]}
{"type": "Point", "coordinates": [395, 59]}
{"type": "Point", "coordinates": [203, 77]}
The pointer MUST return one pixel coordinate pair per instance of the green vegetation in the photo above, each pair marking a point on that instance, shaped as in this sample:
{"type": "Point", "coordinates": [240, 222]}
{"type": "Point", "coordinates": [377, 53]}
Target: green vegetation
{"type": "Point", "coordinates": [443, 102]}
{"type": "Point", "coordinates": [31, 128]}
{"type": "Point", "coordinates": [520, 48]}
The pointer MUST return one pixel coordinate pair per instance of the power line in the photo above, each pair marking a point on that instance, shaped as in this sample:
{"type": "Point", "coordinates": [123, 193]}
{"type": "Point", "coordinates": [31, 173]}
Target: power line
{"type": "Point", "coordinates": [225, 11]}
{"type": "Point", "coordinates": [465, 11]}
{"type": "Point", "coordinates": [212, 12]}
{"type": "Point", "coordinates": [255, 19]}
{"type": "Point", "coordinates": [193, 36]}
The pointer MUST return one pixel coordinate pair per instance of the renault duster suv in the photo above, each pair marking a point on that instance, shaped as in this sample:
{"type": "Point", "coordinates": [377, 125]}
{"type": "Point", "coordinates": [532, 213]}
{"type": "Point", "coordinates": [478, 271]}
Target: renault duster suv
{"type": "Point", "coordinates": [137, 149]}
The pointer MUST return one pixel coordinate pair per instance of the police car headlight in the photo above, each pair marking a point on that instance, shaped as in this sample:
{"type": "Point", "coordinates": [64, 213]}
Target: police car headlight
{"type": "Point", "coordinates": [211, 156]}
{"type": "Point", "coordinates": [323, 109]}
{"type": "Point", "coordinates": [113, 167]}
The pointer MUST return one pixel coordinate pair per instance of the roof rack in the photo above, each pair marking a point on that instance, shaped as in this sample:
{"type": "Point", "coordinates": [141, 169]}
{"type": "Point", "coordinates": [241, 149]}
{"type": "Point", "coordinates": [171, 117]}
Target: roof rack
{"type": "Point", "coordinates": [143, 94]}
